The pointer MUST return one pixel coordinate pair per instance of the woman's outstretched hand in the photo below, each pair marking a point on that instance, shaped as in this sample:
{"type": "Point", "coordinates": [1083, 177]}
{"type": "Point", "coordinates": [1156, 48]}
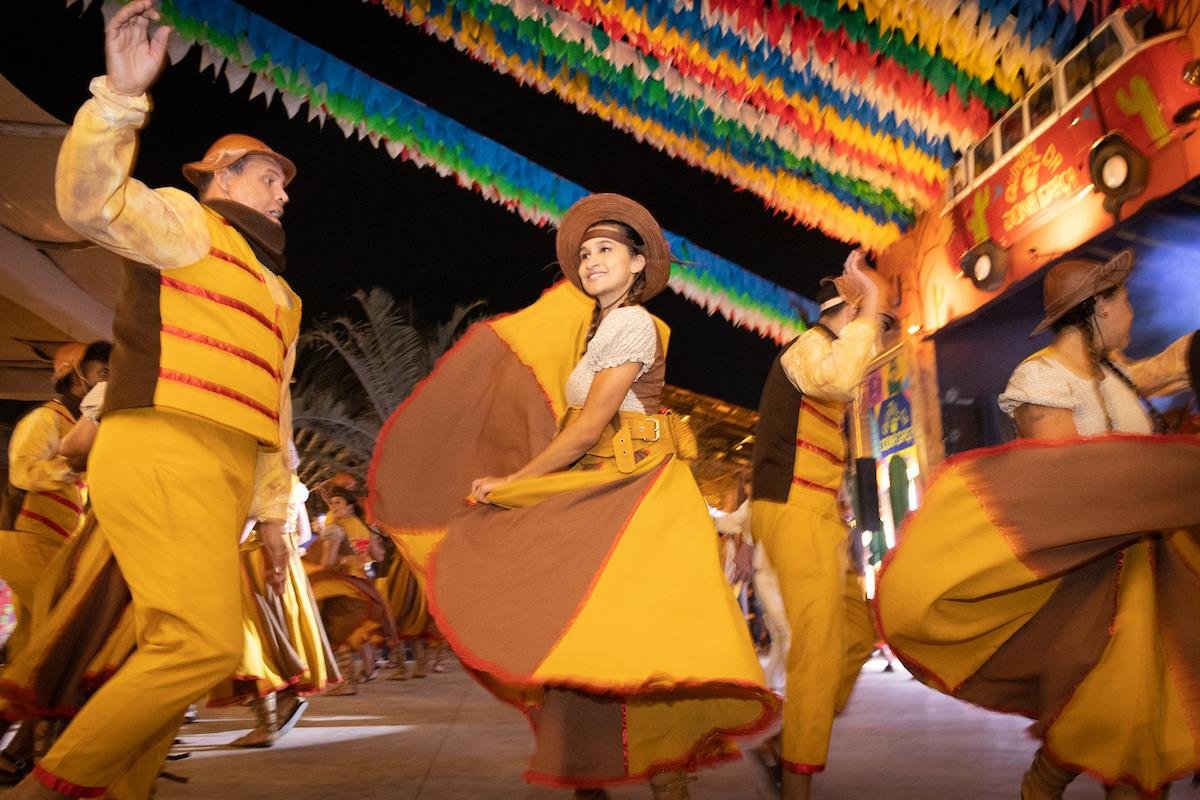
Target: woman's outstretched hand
{"type": "Point", "coordinates": [482, 487]}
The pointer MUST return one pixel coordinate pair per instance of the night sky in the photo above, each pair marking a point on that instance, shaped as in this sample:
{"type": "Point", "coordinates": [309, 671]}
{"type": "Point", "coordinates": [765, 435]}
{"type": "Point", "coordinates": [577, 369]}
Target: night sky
{"type": "Point", "coordinates": [359, 218]}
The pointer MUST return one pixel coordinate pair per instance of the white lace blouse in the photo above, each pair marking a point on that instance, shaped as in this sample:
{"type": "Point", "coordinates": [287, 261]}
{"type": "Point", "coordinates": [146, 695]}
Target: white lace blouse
{"type": "Point", "coordinates": [627, 334]}
{"type": "Point", "coordinates": [1042, 380]}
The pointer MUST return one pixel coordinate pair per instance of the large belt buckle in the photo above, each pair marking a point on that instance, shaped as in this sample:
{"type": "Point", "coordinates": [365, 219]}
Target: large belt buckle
{"type": "Point", "coordinates": [657, 429]}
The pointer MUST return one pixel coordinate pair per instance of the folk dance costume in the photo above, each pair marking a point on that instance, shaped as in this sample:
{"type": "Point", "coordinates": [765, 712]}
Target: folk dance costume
{"type": "Point", "coordinates": [194, 422]}
{"type": "Point", "coordinates": [1061, 580]}
{"type": "Point", "coordinates": [408, 607]}
{"type": "Point", "coordinates": [52, 498]}
{"type": "Point", "coordinates": [287, 654]}
{"type": "Point", "coordinates": [799, 467]}
{"type": "Point", "coordinates": [591, 599]}
{"type": "Point", "coordinates": [353, 611]}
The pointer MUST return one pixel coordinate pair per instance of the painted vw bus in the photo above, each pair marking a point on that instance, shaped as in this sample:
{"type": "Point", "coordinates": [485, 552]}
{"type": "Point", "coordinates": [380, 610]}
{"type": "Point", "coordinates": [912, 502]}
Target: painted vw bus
{"type": "Point", "coordinates": [1104, 128]}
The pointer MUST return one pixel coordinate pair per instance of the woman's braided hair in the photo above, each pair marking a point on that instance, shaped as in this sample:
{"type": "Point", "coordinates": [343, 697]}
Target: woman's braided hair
{"type": "Point", "coordinates": [1080, 316]}
{"type": "Point", "coordinates": [634, 296]}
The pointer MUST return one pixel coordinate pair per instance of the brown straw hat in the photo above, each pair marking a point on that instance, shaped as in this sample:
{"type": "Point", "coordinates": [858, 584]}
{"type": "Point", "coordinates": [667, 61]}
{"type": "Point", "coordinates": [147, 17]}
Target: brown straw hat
{"type": "Point", "coordinates": [1069, 283]}
{"type": "Point", "coordinates": [585, 213]}
{"type": "Point", "coordinates": [67, 359]}
{"type": "Point", "coordinates": [229, 149]}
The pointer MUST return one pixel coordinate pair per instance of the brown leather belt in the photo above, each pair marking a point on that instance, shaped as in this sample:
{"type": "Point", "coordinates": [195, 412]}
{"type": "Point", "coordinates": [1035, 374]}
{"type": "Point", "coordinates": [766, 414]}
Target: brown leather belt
{"type": "Point", "coordinates": [629, 432]}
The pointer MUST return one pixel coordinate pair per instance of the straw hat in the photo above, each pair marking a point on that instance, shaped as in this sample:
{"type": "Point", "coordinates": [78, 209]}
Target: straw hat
{"type": "Point", "coordinates": [1069, 283]}
{"type": "Point", "coordinates": [583, 216]}
{"type": "Point", "coordinates": [231, 148]}
{"type": "Point", "coordinates": [67, 360]}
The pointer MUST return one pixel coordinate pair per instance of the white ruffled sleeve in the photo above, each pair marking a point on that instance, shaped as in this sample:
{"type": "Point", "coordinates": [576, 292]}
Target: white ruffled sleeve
{"type": "Point", "coordinates": [626, 334]}
{"type": "Point", "coordinates": [1037, 383]}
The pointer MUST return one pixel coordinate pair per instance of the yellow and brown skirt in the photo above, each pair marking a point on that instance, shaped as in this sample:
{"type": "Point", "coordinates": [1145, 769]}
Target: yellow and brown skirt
{"type": "Point", "coordinates": [404, 590]}
{"type": "Point", "coordinates": [285, 642]}
{"type": "Point", "coordinates": [1062, 582]}
{"type": "Point", "coordinates": [594, 601]}
{"type": "Point", "coordinates": [353, 611]}
{"type": "Point", "coordinates": [84, 631]}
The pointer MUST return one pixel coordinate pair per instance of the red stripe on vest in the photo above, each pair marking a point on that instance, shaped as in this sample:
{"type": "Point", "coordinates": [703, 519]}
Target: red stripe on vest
{"type": "Point", "coordinates": [816, 412]}
{"type": "Point", "coordinates": [216, 388]}
{"type": "Point", "coordinates": [814, 486]}
{"type": "Point", "coordinates": [233, 350]}
{"type": "Point", "coordinates": [62, 501]}
{"type": "Point", "coordinates": [49, 523]}
{"type": "Point", "coordinates": [237, 262]}
{"type": "Point", "coordinates": [828, 455]}
{"type": "Point", "coordinates": [225, 300]}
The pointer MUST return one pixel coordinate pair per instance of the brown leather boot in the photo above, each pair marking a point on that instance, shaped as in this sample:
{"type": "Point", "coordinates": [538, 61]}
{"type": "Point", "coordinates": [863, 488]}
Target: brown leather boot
{"type": "Point", "coordinates": [1046, 779]}
{"type": "Point", "coordinates": [421, 654]}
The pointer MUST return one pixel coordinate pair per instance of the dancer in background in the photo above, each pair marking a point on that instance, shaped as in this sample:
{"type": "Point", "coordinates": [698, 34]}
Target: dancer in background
{"type": "Point", "coordinates": [1059, 576]}
{"type": "Point", "coordinates": [799, 467]}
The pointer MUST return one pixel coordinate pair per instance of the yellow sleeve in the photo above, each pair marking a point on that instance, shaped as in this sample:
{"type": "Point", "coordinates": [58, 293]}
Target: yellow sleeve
{"type": "Point", "coordinates": [1163, 374]}
{"type": "Point", "coordinates": [98, 198]}
{"type": "Point", "coordinates": [831, 370]}
{"type": "Point", "coordinates": [33, 460]}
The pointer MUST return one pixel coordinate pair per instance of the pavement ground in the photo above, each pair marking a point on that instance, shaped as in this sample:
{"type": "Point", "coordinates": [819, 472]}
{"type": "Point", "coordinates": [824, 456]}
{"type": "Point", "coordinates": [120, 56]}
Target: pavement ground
{"type": "Point", "coordinates": [444, 737]}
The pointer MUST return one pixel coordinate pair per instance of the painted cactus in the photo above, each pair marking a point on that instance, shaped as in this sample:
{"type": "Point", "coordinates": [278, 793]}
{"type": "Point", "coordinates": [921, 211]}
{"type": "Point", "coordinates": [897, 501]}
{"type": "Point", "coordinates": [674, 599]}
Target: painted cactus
{"type": "Point", "coordinates": [1140, 101]}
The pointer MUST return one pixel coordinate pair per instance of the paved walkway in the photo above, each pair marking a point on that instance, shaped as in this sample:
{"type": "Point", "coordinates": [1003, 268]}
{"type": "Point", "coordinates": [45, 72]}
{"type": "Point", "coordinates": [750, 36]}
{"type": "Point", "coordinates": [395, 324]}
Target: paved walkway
{"type": "Point", "coordinates": [444, 738]}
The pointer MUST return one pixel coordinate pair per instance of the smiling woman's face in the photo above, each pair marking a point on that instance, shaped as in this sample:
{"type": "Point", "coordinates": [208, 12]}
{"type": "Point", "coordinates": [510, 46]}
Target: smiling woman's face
{"type": "Point", "coordinates": [607, 268]}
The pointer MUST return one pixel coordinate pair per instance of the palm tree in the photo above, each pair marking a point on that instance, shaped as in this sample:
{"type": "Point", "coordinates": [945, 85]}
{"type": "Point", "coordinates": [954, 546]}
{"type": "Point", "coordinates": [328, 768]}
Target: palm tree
{"type": "Point", "coordinates": [369, 365]}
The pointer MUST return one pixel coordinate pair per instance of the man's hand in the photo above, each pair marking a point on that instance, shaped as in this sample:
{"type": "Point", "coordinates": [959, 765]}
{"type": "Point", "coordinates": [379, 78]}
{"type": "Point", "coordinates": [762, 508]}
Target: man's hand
{"type": "Point", "coordinates": [275, 552]}
{"type": "Point", "coordinates": [855, 271]}
{"type": "Point", "coordinates": [856, 263]}
{"type": "Point", "coordinates": [133, 57]}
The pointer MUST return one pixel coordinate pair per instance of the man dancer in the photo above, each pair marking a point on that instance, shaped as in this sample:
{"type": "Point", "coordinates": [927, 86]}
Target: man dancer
{"type": "Point", "coordinates": [799, 467]}
{"type": "Point", "coordinates": [196, 417]}
{"type": "Point", "coordinates": [49, 498]}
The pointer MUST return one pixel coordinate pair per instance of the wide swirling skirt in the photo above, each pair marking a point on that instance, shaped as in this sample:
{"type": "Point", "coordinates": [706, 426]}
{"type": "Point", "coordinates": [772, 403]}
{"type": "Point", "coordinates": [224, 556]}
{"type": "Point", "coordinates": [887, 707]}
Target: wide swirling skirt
{"type": "Point", "coordinates": [285, 646]}
{"type": "Point", "coordinates": [594, 601]}
{"type": "Point", "coordinates": [1062, 581]}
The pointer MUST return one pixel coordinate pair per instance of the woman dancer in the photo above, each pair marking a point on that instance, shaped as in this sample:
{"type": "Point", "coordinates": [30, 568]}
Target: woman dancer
{"type": "Point", "coordinates": [1061, 579]}
{"type": "Point", "coordinates": [584, 586]}
{"type": "Point", "coordinates": [341, 570]}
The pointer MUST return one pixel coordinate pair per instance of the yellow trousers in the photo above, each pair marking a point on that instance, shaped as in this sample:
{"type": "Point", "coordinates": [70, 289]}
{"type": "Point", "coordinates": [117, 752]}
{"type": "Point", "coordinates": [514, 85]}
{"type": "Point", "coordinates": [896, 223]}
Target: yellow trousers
{"type": "Point", "coordinates": [170, 492]}
{"type": "Point", "coordinates": [808, 551]}
{"type": "Point", "coordinates": [23, 558]}
{"type": "Point", "coordinates": [860, 635]}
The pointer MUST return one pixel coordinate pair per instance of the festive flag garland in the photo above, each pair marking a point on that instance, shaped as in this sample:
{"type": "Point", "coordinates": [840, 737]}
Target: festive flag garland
{"type": "Point", "coordinates": [244, 46]}
{"type": "Point", "coordinates": [675, 124]}
{"type": "Point", "coordinates": [832, 93]}
{"type": "Point", "coordinates": [764, 97]}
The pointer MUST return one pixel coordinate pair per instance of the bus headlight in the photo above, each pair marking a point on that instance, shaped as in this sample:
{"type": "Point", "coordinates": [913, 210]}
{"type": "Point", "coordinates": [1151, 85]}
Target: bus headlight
{"type": "Point", "coordinates": [1191, 72]}
{"type": "Point", "coordinates": [1114, 171]}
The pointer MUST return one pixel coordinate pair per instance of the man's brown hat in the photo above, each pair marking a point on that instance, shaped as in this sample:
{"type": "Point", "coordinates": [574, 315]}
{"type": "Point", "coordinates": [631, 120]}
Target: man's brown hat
{"type": "Point", "coordinates": [595, 208]}
{"type": "Point", "coordinates": [1069, 283]}
{"type": "Point", "coordinates": [67, 360]}
{"type": "Point", "coordinates": [231, 148]}
{"type": "Point", "coordinates": [849, 292]}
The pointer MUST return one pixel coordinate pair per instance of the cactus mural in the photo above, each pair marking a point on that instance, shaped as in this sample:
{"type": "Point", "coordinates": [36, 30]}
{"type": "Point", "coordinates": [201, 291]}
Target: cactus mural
{"type": "Point", "coordinates": [1140, 101]}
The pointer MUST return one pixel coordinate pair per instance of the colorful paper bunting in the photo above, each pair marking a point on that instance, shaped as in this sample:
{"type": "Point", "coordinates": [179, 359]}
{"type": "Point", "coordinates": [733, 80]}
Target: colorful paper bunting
{"type": "Point", "coordinates": [246, 46]}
